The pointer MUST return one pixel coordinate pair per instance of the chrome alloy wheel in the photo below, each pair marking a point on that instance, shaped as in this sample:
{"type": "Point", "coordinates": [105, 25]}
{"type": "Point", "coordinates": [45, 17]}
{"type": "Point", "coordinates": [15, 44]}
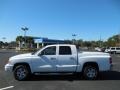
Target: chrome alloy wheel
{"type": "Point", "coordinates": [90, 72]}
{"type": "Point", "coordinates": [21, 72]}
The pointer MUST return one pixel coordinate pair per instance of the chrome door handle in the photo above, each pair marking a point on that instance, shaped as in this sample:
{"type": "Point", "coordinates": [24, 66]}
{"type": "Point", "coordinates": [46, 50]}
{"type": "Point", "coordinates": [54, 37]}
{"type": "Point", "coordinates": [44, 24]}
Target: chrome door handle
{"type": "Point", "coordinates": [72, 58]}
{"type": "Point", "coordinates": [53, 58]}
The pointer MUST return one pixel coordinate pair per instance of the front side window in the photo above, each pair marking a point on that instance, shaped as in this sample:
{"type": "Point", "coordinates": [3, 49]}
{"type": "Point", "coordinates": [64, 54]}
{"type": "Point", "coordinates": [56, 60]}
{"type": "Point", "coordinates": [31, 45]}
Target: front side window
{"type": "Point", "coordinates": [65, 50]}
{"type": "Point", "coordinates": [49, 51]}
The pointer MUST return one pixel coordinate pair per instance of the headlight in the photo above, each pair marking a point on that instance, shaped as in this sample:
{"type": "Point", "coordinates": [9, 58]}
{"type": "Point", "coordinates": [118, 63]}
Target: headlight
{"type": "Point", "coordinates": [9, 62]}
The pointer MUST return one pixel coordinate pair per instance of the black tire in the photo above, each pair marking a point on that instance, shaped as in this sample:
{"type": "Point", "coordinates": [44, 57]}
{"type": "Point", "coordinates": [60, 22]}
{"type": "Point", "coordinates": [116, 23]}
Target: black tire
{"type": "Point", "coordinates": [114, 52]}
{"type": "Point", "coordinates": [21, 72]}
{"type": "Point", "coordinates": [90, 72]}
{"type": "Point", "coordinates": [111, 52]}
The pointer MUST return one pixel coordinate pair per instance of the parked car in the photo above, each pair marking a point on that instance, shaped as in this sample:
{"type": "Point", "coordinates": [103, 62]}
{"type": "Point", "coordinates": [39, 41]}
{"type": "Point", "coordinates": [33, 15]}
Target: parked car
{"type": "Point", "coordinates": [113, 50]}
{"type": "Point", "coordinates": [98, 49]}
{"type": "Point", "coordinates": [103, 49]}
{"type": "Point", "coordinates": [61, 58]}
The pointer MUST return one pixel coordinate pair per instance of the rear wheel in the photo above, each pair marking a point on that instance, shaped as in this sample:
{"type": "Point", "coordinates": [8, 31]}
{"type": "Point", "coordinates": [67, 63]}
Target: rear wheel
{"type": "Point", "coordinates": [21, 72]}
{"type": "Point", "coordinates": [90, 72]}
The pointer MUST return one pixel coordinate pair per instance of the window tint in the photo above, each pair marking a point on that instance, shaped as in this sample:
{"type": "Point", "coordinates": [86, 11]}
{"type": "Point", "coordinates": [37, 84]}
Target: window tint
{"type": "Point", "coordinates": [49, 51]}
{"type": "Point", "coordinates": [112, 48]}
{"type": "Point", "coordinates": [65, 50]}
{"type": "Point", "coordinates": [118, 48]}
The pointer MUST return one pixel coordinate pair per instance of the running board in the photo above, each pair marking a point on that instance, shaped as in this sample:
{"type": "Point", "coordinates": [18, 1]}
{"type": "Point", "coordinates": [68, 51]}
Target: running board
{"type": "Point", "coordinates": [42, 73]}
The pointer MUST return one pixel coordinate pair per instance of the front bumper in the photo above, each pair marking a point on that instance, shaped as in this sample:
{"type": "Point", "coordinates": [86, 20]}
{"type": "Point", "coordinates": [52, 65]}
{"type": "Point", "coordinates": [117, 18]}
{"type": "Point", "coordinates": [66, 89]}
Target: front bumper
{"type": "Point", "coordinates": [8, 68]}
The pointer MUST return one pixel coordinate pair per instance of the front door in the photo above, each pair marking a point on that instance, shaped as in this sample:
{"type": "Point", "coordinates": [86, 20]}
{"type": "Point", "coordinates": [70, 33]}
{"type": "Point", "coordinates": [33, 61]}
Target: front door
{"type": "Point", "coordinates": [46, 61]}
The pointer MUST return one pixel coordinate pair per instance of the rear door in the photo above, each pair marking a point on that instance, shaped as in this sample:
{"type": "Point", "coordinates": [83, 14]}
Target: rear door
{"type": "Point", "coordinates": [67, 61]}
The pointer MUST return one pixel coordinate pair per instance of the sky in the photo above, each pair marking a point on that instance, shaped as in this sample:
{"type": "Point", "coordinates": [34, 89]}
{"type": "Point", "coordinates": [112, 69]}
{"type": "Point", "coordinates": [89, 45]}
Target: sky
{"type": "Point", "coordinates": [59, 19]}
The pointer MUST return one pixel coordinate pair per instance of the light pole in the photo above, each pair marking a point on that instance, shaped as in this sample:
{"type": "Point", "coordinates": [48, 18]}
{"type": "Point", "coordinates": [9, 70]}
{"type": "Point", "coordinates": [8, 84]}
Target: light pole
{"type": "Point", "coordinates": [100, 42]}
{"type": "Point", "coordinates": [4, 38]}
{"type": "Point", "coordinates": [74, 35]}
{"type": "Point", "coordinates": [25, 29]}
{"type": "Point", "coordinates": [119, 39]}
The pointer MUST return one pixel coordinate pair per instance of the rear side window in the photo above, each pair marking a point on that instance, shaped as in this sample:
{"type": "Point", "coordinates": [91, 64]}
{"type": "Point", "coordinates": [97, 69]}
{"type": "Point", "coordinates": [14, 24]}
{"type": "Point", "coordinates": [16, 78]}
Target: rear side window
{"type": "Point", "coordinates": [65, 50]}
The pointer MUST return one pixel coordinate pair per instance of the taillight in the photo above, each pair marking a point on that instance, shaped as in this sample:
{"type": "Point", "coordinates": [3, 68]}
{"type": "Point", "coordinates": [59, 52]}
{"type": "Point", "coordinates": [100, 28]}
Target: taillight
{"type": "Point", "coordinates": [110, 60]}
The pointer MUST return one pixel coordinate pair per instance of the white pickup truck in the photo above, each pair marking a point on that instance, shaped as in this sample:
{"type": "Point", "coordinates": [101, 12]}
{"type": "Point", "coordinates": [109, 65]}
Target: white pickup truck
{"type": "Point", "coordinates": [59, 58]}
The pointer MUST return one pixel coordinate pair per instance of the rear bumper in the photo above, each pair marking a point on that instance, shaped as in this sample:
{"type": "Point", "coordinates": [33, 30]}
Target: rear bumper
{"type": "Point", "coordinates": [8, 68]}
{"type": "Point", "coordinates": [111, 67]}
{"type": "Point", "coordinates": [106, 68]}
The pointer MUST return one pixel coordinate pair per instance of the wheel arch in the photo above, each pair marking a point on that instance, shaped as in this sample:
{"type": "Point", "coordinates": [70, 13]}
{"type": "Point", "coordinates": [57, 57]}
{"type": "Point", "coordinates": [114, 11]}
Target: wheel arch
{"type": "Point", "coordinates": [91, 64]}
{"type": "Point", "coordinates": [22, 63]}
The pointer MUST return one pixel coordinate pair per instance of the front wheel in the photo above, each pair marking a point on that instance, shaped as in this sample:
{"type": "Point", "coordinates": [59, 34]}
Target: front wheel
{"type": "Point", "coordinates": [90, 72]}
{"type": "Point", "coordinates": [21, 72]}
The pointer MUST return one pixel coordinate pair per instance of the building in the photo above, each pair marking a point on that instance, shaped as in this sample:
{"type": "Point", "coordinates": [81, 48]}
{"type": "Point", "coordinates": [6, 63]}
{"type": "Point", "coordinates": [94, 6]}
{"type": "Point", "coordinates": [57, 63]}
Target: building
{"type": "Point", "coordinates": [45, 41]}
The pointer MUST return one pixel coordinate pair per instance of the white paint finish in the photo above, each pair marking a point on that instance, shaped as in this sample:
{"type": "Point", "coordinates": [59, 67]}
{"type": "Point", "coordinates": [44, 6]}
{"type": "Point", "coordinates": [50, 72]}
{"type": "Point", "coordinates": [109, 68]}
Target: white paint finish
{"type": "Point", "coordinates": [20, 56]}
{"type": "Point", "coordinates": [44, 63]}
{"type": "Point", "coordinates": [113, 49]}
{"type": "Point", "coordinates": [66, 64]}
{"type": "Point", "coordinates": [8, 67]}
{"type": "Point", "coordinates": [61, 63]}
{"type": "Point", "coordinates": [102, 59]}
{"type": "Point", "coordinates": [5, 88]}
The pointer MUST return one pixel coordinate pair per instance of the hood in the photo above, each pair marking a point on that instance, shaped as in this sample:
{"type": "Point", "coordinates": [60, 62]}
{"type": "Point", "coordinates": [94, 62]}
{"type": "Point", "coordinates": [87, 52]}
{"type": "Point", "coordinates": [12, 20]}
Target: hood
{"type": "Point", "coordinates": [21, 56]}
{"type": "Point", "coordinates": [93, 54]}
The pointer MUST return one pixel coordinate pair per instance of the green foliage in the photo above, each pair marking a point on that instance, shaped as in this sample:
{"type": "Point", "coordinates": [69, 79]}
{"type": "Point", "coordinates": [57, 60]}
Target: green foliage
{"type": "Point", "coordinates": [1, 44]}
{"type": "Point", "coordinates": [19, 39]}
{"type": "Point", "coordinates": [28, 40]}
{"type": "Point", "coordinates": [113, 41]}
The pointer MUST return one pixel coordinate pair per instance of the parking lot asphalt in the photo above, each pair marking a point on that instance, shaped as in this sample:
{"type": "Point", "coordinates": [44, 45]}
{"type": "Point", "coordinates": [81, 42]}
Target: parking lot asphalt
{"type": "Point", "coordinates": [107, 81]}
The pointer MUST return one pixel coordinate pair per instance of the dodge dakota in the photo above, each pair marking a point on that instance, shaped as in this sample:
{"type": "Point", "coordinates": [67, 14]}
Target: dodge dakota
{"type": "Point", "coordinates": [59, 58]}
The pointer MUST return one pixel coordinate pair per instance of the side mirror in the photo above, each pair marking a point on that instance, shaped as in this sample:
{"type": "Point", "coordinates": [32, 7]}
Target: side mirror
{"type": "Point", "coordinates": [41, 54]}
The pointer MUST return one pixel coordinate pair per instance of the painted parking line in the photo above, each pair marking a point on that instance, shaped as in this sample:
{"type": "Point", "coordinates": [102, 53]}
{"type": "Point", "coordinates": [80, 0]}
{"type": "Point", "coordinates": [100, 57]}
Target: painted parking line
{"type": "Point", "coordinates": [5, 88]}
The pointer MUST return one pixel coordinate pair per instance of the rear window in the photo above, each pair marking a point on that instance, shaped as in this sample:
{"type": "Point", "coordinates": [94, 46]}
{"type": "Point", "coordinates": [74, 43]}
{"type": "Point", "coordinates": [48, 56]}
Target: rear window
{"type": "Point", "coordinates": [65, 50]}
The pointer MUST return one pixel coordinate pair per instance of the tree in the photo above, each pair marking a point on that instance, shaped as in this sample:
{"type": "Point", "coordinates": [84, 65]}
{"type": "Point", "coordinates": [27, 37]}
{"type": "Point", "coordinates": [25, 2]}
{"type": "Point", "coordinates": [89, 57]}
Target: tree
{"type": "Point", "coordinates": [1, 44]}
{"type": "Point", "coordinates": [113, 41]}
{"type": "Point", "coordinates": [68, 41]}
{"type": "Point", "coordinates": [12, 44]}
{"type": "Point", "coordinates": [19, 39]}
{"type": "Point", "coordinates": [29, 41]}
{"type": "Point", "coordinates": [79, 42]}
{"type": "Point", "coordinates": [87, 43]}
